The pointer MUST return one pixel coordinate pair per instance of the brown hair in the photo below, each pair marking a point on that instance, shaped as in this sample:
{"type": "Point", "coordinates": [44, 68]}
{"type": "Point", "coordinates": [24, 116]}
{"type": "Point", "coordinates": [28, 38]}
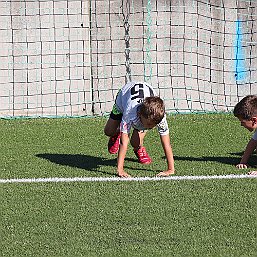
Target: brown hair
{"type": "Point", "coordinates": [153, 109]}
{"type": "Point", "coordinates": [246, 108]}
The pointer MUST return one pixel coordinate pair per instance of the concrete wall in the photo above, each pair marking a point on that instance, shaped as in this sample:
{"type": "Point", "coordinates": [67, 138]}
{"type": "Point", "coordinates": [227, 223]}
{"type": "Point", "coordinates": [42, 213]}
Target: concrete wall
{"type": "Point", "coordinates": [69, 57]}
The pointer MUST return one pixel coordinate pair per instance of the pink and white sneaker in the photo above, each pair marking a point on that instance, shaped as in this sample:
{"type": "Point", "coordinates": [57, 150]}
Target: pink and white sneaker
{"type": "Point", "coordinates": [142, 156]}
{"type": "Point", "coordinates": [114, 144]}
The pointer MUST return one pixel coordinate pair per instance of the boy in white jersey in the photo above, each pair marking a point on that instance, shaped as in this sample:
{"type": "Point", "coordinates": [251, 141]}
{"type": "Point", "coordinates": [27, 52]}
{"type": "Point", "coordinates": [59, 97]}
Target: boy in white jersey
{"type": "Point", "coordinates": [246, 112]}
{"type": "Point", "coordinates": [137, 107]}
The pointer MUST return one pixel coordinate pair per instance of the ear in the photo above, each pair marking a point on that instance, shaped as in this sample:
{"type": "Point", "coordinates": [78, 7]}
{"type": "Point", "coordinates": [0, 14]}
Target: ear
{"type": "Point", "coordinates": [254, 119]}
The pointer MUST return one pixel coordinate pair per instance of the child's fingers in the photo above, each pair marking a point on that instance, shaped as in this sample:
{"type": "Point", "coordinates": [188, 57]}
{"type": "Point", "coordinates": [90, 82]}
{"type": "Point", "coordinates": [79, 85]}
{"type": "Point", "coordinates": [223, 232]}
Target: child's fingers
{"type": "Point", "coordinates": [242, 166]}
{"type": "Point", "coordinates": [124, 175]}
{"type": "Point", "coordinates": [162, 174]}
{"type": "Point", "coordinates": [252, 172]}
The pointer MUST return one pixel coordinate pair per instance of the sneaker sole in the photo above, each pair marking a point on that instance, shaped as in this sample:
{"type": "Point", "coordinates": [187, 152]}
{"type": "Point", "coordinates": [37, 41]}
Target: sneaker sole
{"type": "Point", "coordinates": [145, 163]}
{"type": "Point", "coordinates": [113, 152]}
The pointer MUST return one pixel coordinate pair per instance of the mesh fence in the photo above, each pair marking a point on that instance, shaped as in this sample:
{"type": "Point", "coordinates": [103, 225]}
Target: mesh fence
{"type": "Point", "coordinates": [70, 57]}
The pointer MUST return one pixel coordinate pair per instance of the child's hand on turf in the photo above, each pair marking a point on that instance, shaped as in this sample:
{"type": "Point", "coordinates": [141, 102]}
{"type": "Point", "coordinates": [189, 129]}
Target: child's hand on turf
{"type": "Point", "coordinates": [252, 172]}
{"type": "Point", "coordinates": [166, 173]}
{"type": "Point", "coordinates": [123, 174]}
{"type": "Point", "coordinates": [242, 166]}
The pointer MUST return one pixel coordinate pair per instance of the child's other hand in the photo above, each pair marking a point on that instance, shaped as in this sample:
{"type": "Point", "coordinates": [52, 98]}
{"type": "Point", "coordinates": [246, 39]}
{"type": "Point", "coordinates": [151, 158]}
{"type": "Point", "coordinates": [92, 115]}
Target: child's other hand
{"type": "Point", "coordinates": [166, 173]}
{"type": "Point", "coordinates": [242, 166]}
{"type": "Point", "coordinates": [252, 172]}
{"type": "Point", "coordinates": [123, 174]}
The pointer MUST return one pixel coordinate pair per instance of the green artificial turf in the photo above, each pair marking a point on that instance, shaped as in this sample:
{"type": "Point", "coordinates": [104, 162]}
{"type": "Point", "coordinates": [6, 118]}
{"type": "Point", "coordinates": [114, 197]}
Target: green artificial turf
{"type": "Point", "coordinates": [147, 218]}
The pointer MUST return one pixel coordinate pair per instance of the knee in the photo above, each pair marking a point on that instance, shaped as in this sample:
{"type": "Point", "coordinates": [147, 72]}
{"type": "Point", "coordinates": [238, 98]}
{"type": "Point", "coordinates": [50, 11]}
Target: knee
{"type": "Point", "coordinates": [107, 132]}
{"type": "Point", "coordinates": [111, 127]}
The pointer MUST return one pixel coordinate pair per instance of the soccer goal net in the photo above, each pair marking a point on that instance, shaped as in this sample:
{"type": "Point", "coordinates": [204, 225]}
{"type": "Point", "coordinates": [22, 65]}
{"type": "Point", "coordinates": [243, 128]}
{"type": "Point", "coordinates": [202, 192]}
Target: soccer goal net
{"type": "Point", "coordinates": [70, 57]}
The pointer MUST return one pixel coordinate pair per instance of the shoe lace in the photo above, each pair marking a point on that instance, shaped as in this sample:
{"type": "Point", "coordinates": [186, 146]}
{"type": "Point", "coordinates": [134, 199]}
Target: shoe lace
{"type": "Point", "coordinates": [142, 152]}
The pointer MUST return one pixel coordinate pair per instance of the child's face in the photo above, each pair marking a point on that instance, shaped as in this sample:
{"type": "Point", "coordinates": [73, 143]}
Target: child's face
{"type": "Point", "coordinates": [146, 123]}
{"type": "Point", "coordinates": [249, 124]}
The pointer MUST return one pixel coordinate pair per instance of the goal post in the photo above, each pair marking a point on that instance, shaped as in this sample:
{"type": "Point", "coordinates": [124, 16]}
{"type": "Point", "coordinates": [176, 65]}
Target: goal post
{"type": "Point", "coordinates": [70, 57]}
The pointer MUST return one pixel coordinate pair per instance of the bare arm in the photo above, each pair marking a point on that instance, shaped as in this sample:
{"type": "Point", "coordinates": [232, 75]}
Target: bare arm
{"type": "Point", "coordinates": [247, 153]}
{"type": "Point", "coordinates": [165, 140]}
{"type": "Point", "coordinates": [122, 154]}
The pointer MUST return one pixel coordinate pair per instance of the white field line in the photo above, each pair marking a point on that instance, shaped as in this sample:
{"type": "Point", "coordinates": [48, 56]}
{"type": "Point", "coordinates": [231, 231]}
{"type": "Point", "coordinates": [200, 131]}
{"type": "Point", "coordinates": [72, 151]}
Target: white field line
{"type": "Point", "coordinates": [112, 179]}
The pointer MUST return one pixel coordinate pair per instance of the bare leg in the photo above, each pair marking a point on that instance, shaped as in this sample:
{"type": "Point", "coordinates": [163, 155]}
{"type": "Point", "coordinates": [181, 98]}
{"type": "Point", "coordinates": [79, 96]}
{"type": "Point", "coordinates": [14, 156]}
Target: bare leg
{"type": "Point", "coordinates": [137, 139]}
{"type": "Point", "coordinates": [253, 173]}
{"type": "Point", "coordinates": [112, 130]}
{"type": "Point", "coordinates": [112, 127]}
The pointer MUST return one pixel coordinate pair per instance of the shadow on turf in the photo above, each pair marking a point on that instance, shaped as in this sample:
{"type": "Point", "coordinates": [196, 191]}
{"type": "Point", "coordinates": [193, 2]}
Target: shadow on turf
{"type": "Point", "coordinates": [81, 161]}
{"type": "Point", "coordinates": [221, 159]}
{"type": "Point", "coordinates": [226, 160]}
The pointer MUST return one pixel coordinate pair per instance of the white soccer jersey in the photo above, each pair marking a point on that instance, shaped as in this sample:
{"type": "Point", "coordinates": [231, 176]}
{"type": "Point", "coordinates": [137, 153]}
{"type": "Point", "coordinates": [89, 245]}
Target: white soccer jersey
{"type": "Point", "coordinates": [128, 102]}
